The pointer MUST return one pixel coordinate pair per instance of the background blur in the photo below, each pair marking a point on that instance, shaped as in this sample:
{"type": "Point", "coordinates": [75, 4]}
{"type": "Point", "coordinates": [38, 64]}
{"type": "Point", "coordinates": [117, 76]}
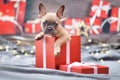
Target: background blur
{"type": "Point", "coordinates": [74, 8]}
{"type": "Point", "coordinates": [19, 25]}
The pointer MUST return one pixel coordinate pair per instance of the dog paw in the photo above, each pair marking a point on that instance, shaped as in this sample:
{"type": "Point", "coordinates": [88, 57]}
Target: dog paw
{"type": "Point", "coordinates": [57, 51]}
{"type": "Point", "coordinates": [38, 37]}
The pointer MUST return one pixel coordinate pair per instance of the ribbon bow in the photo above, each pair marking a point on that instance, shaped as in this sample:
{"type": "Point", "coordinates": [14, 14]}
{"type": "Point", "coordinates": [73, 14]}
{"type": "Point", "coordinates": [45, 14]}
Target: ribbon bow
{"type": "Point", "coordinates": [72, 27]}
{"type": "Point", "coordinates": [98, 9]}
{"type": "Point", "coordinates": [74, 24]}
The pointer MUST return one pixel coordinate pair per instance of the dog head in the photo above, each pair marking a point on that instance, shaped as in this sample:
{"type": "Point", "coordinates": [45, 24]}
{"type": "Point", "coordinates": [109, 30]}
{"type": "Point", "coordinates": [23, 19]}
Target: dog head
{"type": "Point", "coordinates": [50, 21]}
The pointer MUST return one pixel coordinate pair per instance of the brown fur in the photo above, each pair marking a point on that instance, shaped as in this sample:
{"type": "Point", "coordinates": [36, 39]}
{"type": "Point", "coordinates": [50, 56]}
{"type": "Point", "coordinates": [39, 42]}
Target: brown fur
{"type": "Point", "coordinates": [60, 32]}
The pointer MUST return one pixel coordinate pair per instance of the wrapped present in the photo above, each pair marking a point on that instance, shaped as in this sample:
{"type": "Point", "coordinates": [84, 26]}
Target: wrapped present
{"type": "Point", "coordinates": [45, 53]}
{"type": "Point", "coordinates": [72, 25]}
{"type": "Point", "coordinates": [7, 9]}
{"type": "Point", "coordinates": [94, 25]}
{"type": "Point", "coordinates": [20, 7]}
{"type": "Point", "coordinates": [32, 27]}
{"type": "Point", "coordinates": [100, 8]}
{"type": "Point", "coordinates": [85, 68]}
{"type": "Point", "coordinates": [70, 52]}
{"type": "Point", "coordinates": [115, 19]}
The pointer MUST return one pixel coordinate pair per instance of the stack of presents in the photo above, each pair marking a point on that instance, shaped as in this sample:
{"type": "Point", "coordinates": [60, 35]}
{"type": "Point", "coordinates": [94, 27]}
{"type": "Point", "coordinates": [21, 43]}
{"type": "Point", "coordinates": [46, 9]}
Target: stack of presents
{"type": "Point", "coordinates": [12, 14]}
{"type": "Point", "coordinates": [103, 18]}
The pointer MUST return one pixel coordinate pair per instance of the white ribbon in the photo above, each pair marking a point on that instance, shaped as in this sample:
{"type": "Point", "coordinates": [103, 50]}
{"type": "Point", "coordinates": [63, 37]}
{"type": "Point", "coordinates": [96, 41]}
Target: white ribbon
{"type": "Point", "coordinates": [68, 52]}
{"type": "Point", "coordinates": [95, 29]}
{"type": "Point", "coordinates": [44, 52]}
{"type": "Point", "coordinates": [82, 64]}
{"type": "Point", "coordinates": [63, 19]}
{"type": "Point", "coordinates": [92, 26]}
{"type": "Point", "coordinates": [33, 22]}
{"type": "Point", "coordinates": [72, 31]}
{"type": "Point", "coordinates": [98, 9]}
{"type": "Point", "coordinates": [114, 19]}
{"type": "Point", "coordinates": [74, 24]}
{"type": "Point", "coordinates": [33, 28]}
{"type": "Point", "coordinates": [92, 19]}
{"type": "Point", "coordinates": [72, 27]}
{"type": "Point", "coordinates": [118, 25]}
{"type": "Point", "coordinates": [6, 17]}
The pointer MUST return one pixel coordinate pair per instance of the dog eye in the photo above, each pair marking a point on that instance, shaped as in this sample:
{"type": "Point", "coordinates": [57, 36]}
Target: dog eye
{"type": "Point", "coordinates": [55, 24]}
{"type": "Point", "coordinates": [45, 23]}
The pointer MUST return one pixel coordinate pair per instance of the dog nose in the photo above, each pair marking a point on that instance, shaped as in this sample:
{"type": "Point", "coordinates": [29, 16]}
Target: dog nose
{"type": "Point", "coordinates": [49, 28]}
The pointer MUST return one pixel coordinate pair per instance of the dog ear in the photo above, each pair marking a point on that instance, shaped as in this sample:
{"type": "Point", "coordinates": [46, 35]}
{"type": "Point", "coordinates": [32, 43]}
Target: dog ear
{"type": "Point", "coordinates": [42, 10]}
{"type": "Point", "coordinates": [60, 11]}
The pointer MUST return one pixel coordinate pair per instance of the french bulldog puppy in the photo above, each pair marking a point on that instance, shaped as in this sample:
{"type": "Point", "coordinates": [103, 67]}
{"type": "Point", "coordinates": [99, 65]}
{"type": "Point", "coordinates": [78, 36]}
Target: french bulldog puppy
{"type": "Point", "coordinates": [51, 25]}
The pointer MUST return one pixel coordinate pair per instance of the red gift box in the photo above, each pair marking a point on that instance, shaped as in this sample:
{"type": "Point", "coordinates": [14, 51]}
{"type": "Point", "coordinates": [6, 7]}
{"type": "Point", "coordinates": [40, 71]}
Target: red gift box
{"type": "Point", "coordinates": [95, 27]}
{"type": "Point", "coordinates": [100, 8]}
{"type": "Point", "coordinates": [45, 53]}
{"type": "Point", "coordinates": [7, 9]}
{"type": "Point", "coordinates": [85, 68]}
{"type": "Point", "coordinates": [45, 49]}
{"type": "Point", "coordinates": [115, 19]}
{"type": "Point", "coordinates": [32, 27]}
{"type": "Point", "coordinates": [71, 24]}
{"type": "Point", "coordinates": [70, 52]}
{"type": "Point", "coordinates": [7, 27]}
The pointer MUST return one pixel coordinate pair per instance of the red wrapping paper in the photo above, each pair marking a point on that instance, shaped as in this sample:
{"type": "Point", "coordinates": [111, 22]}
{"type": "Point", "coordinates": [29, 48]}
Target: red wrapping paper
{"type": "Point", "coordinates": [7, 9]}
{"type": "Point", "coordinates": [100, 7]}
{"type": "Point", "coordinates": [6, 27]}
{"type": "Point", "coordinates": [115, 25]}
{"type": "Point", "coordinates": [95, 28]}
{"type": "Point", "coordinates": [86, 69]}
{"type": "Point", "coordinates": [45, 53]}
{"type": "Point", "coordinates": [32, 28]}
{"type": "Point", "coordinates": [70, 52]}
